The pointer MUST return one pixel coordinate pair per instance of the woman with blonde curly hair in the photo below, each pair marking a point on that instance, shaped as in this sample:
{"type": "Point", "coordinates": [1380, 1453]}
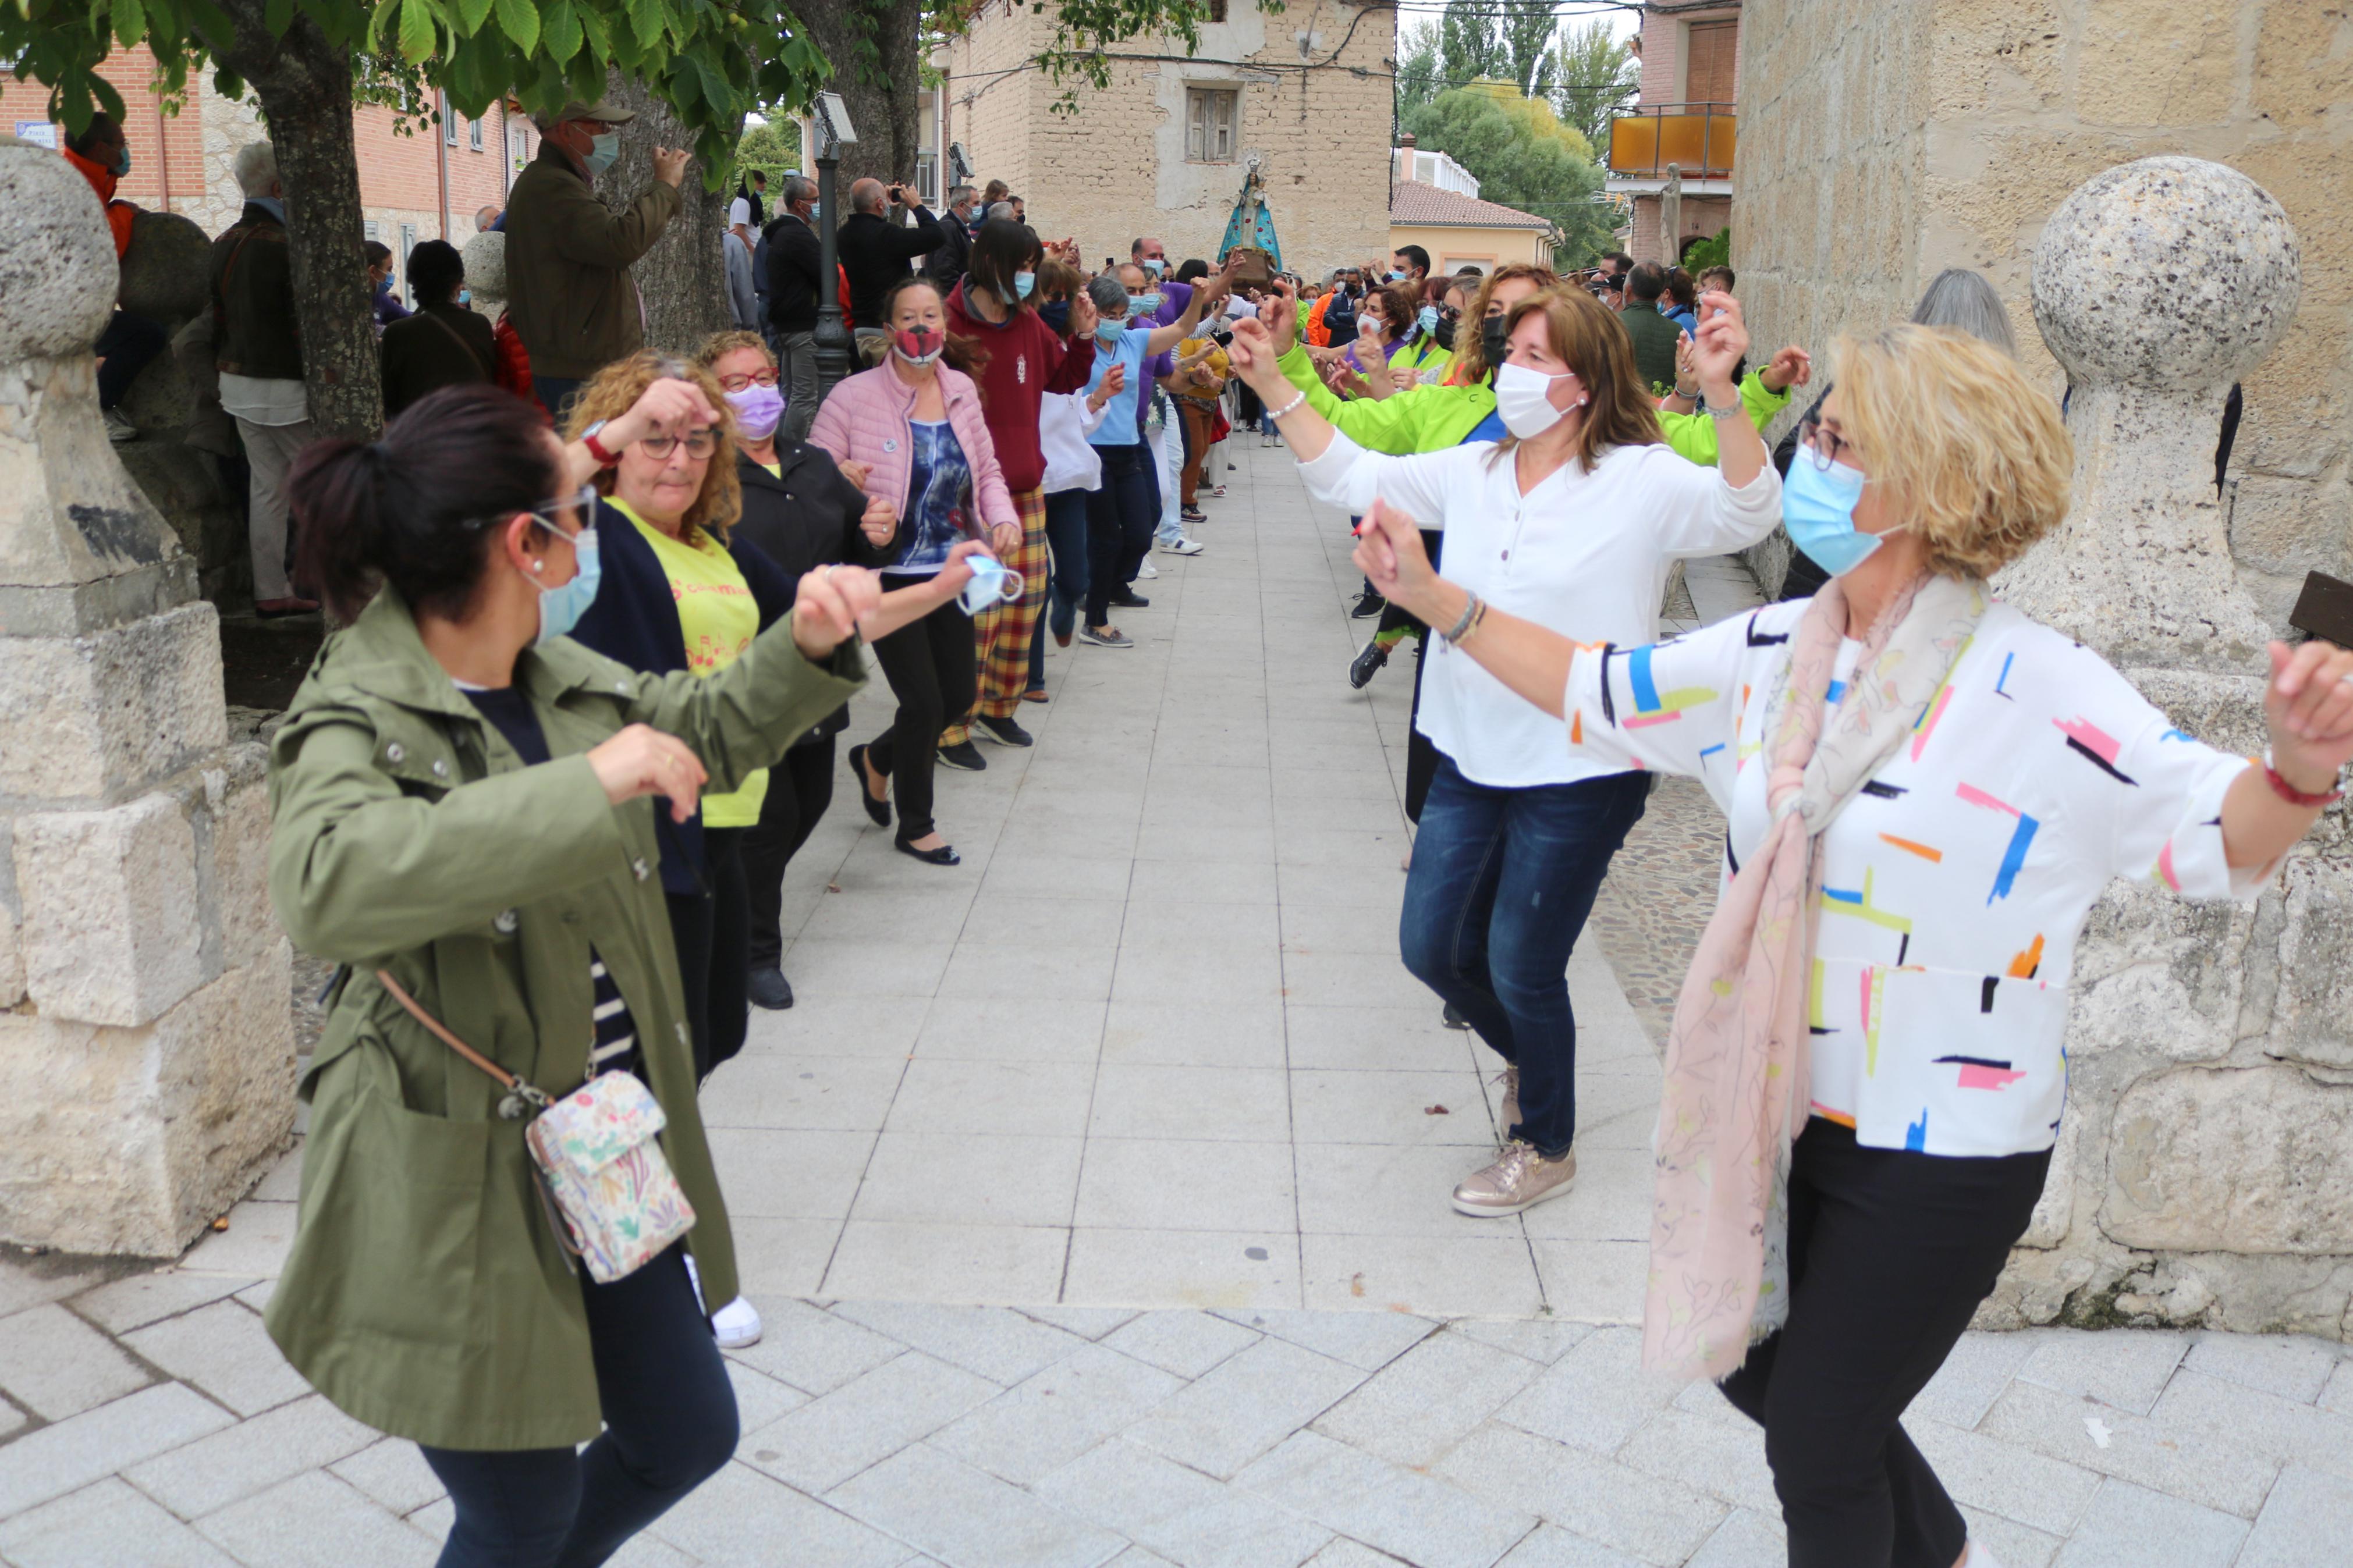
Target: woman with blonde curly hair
{"type": "Point", "coordinates": [1926, 792]}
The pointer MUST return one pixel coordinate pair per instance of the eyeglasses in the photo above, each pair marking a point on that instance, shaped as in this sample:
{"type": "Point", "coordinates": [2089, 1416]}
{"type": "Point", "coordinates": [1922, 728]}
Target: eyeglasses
{"type": "Point", "coordinates": [580, 503]}
{"type": "Point", "coordinates": [698, 443]}
{"type": "Point", "coordinates": [743, 383]}
{"type": "Point", "coordinates": [1449, 313]}
{"type": "Point", "coordinates": [1821, 446]}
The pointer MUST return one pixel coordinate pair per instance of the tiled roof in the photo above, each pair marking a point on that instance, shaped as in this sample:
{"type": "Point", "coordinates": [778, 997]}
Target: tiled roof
{"type": "Point", "coordinates": [1414, 203]}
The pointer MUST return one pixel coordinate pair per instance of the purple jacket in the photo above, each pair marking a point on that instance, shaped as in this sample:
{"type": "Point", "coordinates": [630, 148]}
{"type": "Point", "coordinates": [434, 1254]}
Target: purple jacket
{"type": "Point", "coordinates": [865, 419]}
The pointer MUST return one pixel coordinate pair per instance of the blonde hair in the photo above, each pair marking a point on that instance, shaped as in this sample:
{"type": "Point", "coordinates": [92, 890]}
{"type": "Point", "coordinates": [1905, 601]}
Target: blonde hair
{"type": "Point", "coordinates": [719, 345]}
{"type": "Point", "coordinates": [1973, 454]}
{"type": "Point", "coordinates": [619, 385]}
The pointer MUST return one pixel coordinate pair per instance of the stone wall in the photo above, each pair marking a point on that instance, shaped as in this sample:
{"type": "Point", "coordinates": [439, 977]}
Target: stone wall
{"type": "Point", "coordinates": [1882, 141]}
{"type": "Point", "coordinates": [144, 1029]}
{"type": "Point", "coordinates": [1116, 169]}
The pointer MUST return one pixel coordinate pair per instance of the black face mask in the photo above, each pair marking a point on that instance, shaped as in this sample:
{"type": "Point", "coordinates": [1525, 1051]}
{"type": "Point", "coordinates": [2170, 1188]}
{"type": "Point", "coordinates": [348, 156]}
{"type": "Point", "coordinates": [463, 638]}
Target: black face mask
{"type": "Point", "coordinates": [1444, 333]}
{"type": "Point", "coordinates": [1056, 314]}
{"type": "Point", "coordinates": [1493, 339]}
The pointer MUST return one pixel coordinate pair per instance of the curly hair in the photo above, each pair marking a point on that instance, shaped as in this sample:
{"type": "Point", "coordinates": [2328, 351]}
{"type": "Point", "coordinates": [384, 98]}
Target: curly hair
{"type": "Point", "coordinates": [1972, 454]}
{"type": "Point", "coordinates": [719, 345]}
{"type": "Point", "coordinates": [618, 385]}
{"type": "Point", "coordinates": [1471, 366]}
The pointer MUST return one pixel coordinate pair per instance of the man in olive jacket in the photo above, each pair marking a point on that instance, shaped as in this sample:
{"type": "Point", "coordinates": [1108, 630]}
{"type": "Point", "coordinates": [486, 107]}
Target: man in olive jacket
{"type": "Point", "coordinates": [569, 292]}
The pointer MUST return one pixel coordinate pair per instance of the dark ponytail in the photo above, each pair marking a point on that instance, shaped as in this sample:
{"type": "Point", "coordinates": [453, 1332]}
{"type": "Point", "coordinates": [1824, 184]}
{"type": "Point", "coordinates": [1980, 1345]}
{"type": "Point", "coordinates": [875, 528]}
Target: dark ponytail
{"type": "Point", "coordinates": [416, 509]}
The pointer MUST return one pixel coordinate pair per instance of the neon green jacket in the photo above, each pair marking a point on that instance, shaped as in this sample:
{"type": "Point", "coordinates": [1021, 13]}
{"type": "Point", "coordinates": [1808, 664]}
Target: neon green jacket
{"type": "Point", "coordinates": [1432, 418]}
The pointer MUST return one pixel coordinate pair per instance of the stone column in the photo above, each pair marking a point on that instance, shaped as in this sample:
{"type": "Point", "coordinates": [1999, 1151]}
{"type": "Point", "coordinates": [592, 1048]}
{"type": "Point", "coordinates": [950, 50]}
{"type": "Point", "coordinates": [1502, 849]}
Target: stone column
{"type": "Point", "coordinates": [145, 1036]}
{"type": "Point", "coordinates": [2204, 1173]}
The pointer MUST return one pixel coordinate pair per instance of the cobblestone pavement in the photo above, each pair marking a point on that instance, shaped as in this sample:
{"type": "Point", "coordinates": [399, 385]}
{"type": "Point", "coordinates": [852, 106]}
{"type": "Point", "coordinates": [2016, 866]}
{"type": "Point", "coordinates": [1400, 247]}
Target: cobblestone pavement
{"type": "Point", "coordinates": [1095, 1200]}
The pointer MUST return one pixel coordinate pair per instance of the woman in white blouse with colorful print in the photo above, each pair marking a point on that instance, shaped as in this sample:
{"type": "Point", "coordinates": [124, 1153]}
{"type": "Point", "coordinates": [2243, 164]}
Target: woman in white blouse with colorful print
{"type": "Point", "coordinates": [1927, 793]}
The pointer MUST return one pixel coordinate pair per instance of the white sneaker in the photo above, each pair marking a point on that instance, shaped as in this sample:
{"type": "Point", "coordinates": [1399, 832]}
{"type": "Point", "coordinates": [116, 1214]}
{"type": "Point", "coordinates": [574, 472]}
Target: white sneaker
{"type": "Point", "coordinates": [1182, 546]}
{"type": "Point", "coordinates": [1147, 570]}
{"type": "Point", "coordinates": [119, 430]}
{"type": "Point", "coordinates": [736, 1324]}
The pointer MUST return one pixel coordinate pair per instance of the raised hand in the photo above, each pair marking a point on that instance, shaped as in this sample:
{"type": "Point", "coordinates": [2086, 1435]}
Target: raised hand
{"type": "Point", "coordinates": [1253, 351]}
{"type": "Point", "coordinates": [641, 760]}
{"type": "Point", "coordinates": [1084, 319]}
{"type": "Point", "coordinates": [1723, 342]}
{"type": "Point", "coordinates": [1793, 367]}
{"type": "Point", "coordinates": [2309, 705]}
{"type": "Point", "coordinates": [666, 407]}
{"type": "Point", "coordinates": [669, 165]}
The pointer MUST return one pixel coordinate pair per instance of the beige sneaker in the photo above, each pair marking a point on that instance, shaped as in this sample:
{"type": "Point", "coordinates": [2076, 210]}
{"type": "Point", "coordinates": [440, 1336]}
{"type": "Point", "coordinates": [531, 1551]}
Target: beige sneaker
{"type": "Point", "coordinates": [1507, 1111]}
{"type": "Point", "coordinates": [1519, 1179]}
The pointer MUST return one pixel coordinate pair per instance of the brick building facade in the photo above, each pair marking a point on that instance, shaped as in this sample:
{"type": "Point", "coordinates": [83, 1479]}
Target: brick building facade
{"type": "Point", "coordinates": [1687, 117]}
{"type": "Point", "coordinates": [1161, 150]}
{"type": "Point", "coordinates": [424, 185]}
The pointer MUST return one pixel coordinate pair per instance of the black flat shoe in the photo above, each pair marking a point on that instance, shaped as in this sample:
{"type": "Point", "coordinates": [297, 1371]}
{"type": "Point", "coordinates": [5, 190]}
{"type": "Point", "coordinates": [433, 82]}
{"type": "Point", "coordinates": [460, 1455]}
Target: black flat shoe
{"type": "Point", "coordinates": [1366, 664]}
{"type": "Point", "coordinates": [768, 988]}
{"type": "Point", "coordinates": [1128, 599]}
{"type": "Point", "coordinates": [945, 854]}
{"type": "Point", "coordinates": [877, 811]}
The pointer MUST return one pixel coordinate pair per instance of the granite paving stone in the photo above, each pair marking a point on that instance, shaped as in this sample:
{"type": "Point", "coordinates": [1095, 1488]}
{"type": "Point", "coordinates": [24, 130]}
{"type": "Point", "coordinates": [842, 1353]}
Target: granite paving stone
{"type": "Point", "coordinates": [107, 1525]}
{"type": "Point", "coordinates": [316, 1522]}
{"type": "Point", "coordinates": [223, 1350]}
{"type": "Point", "coordinates": [2128, 1526]}
{"type": "Point", "coordinates": [1245, 1406]}
{"type": "Point", "coordinates": [1428, 1399]}
{"type": "Point", "coordinates": [741, 1518]}
{"type": "Point", "coordinates": [971, 1519]}
{"type": "Point", "coordinates": [1185, 1343]}
{"type": "Point", "coordinates": [1595, 1396]}
{"type": "Point", "coordinates": [56, 1365]}
{"type": "Point", "coordinates": [2128, 1368]}
{"type": "Point", "coordinates": [51, 1461]}
{"type": "Point", "coordinates": [253, 1456]}
{"type": "Point", "coordinates": [1651, 1519]}
{"type": "Point", "coordinates": [2206, 1469]}
{"type": "Point", "coordinates": [1178, 1512]}
{"type": "Point", "coordinates": [828, 1440]}
{"type": "Point", "coordinates": [1401, 1510]}
{"type": "Point", "coordinates": [2304, 1521]}
{"type": "Point", "coordinates": [2289, 1365]}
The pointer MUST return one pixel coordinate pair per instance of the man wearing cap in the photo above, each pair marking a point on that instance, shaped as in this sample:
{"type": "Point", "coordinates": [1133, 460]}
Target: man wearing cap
{"type": "Point", "coordinates": [570, 294]}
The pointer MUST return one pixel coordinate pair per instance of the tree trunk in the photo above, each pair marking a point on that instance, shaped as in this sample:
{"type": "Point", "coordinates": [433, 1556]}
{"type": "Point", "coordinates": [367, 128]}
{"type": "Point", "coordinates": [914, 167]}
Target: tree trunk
{"type": "Point", "coordinates": [305, 88]}
{"type": "Point", "coordinates": [683, 279]}
{"type": "Point", "coordinates": [882, 104]}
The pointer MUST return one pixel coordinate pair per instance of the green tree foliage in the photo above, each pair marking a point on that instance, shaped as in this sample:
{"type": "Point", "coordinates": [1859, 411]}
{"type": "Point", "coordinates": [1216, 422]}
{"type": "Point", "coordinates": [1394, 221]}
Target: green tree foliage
{"type": "Point", "coordinates": [1524, 157]}
{"type": "Point", "coordinates": [772, 147]}
{"type": "Point", "coordinates": [1714, 251]}
{"type": "Point", "coordinates": [1595, 76]}
{"type": "Point", "coordinates": [1417, 74]}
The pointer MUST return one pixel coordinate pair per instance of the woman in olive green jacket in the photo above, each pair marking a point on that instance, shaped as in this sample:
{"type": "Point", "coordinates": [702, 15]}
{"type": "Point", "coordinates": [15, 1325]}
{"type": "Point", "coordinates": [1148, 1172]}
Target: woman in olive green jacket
{"type": "Point", "coordinates": [462, 798]}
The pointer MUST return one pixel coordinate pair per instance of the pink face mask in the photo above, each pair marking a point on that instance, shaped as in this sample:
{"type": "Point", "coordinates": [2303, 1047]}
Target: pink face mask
{"type": "Point", "coordinates": [918, 346]}
{"type": "Point", "coordinates": [758, 410]}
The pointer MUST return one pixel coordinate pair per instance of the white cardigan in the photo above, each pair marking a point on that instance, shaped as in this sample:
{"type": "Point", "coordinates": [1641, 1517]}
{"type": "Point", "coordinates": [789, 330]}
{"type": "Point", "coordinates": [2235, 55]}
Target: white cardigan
{"type": "Point", "coordinates": [1955, 885]}
{"type": "Point", "coordinates": [1584, 554]}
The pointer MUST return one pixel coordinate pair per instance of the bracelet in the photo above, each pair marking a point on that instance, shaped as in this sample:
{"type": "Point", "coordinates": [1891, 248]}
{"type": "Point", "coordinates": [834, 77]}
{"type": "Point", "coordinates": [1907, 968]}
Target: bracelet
{"type": "Point", "coordinates": [2293, 795]}
{"type": "Point", "coordinates": [1290, 407]}
{"type": "Point", "coordinates": [1712, 412]}
{"type": "Point", "coordinates": [605, 460]}
{"type": "Point", "coordinates": [1472, 607]}
{"type": "Point", "coordinates": [1694, 397]}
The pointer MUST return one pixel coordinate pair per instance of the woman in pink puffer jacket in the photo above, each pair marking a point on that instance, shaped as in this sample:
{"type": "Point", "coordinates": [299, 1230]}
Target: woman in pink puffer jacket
{"type": "Point", "coordinates": [914, 424]}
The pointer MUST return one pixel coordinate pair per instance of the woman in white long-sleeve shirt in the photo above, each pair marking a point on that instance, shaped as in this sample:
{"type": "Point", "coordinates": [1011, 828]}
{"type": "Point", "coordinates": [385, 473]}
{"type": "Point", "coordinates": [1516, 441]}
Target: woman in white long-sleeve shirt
{"type": "Point", "coordinates": [1571, 522]}
{"type": "Point", "coordinates": [1927, 793]}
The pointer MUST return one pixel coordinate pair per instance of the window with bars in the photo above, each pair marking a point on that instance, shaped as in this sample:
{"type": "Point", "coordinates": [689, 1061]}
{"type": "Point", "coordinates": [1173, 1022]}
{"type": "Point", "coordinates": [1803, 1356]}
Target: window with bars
{"type": "Point", "coordinates": [1211, 114]}
{"type": "Point", "coordinates": [474, 134]}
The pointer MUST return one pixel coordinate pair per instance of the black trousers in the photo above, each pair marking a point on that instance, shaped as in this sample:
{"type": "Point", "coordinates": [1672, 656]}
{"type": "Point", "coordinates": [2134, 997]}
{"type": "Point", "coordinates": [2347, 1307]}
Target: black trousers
{"type": "Point", "coordinates": [670, 1425]}
{"type": "Point", "coordinates": [799, 789]}
{"type": "Point", "coordinates": [711, 931]}
{"type": "Point", "coordinates": [1121, 517]}
{"type": "Point", "coordinates": [929, 664]}
{"type": "Point", "coordinates": [1890, 1253]}
{"type": "Point", "coordinates": [127, 344]}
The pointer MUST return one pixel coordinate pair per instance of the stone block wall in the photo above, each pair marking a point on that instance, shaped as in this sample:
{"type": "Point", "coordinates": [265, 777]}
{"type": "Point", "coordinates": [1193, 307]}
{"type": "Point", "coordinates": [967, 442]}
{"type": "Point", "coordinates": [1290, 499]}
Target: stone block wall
{"type": "Point", "coordinates": [144, 1026]}
{"type": "Point", "coordinates": [1884, 142]}
{"type": "Point", "coordinates": [1116, 168]}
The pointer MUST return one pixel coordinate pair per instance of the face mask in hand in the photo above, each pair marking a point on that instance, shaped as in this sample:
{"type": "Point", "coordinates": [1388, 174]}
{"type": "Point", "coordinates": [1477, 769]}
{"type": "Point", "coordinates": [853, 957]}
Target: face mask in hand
{"type": "Point", "coordinates": [561, 607]}
{"type": "Point", "coordinates": [918, 346]}
{"type": "Point", "coordinates": [992, 582]}
{"type": "Point", "coordinates": [1524, 398]}
{"type": "Point", "coordinates": [759, 409]}
{"type": "Point", "coordinates": [1818, 506]}
{"type": "Point", "coordinates": [604, 151]}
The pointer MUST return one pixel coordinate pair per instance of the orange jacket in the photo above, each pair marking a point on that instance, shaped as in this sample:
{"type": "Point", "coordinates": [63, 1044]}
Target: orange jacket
{"type": "Point", "coordinates": [1317, 332]}
{"type": "Point", "coordinates": [119, 215]}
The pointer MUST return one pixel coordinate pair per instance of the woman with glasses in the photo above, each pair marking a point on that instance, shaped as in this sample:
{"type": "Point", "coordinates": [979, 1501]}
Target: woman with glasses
{"type": "Point", "coordinates": [803, 512]}
{"type": "Point", "coordinates": [915, 425]}
{"type": "Point", "coordinates": [1926, 792]}
{"type": "Point", "coordinates": [463, 800]}
{"type": "Point", "coordinates": [1572, 520]}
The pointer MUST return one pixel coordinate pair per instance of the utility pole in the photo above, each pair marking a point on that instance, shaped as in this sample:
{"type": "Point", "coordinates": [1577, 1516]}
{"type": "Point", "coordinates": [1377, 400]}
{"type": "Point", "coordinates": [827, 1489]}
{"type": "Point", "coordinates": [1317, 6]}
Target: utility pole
{"type": "Point", "coordinates": [830, 120]}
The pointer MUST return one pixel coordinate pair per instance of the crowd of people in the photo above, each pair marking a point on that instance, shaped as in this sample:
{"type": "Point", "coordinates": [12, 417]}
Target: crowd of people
{"type": "Point", "coordinates": [601, 604]}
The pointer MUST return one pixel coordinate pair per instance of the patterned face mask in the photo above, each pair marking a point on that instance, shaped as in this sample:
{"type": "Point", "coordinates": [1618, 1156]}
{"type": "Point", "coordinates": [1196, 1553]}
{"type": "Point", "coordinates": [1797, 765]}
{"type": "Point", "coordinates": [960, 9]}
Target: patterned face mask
{"type": "Point", "coordinates": [918, 346]}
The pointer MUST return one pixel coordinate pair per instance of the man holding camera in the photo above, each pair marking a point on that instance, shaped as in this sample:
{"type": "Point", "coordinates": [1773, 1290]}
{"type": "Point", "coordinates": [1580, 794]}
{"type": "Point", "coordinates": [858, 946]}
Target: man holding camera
{"type": "Point", "coordinates": [876, 252]}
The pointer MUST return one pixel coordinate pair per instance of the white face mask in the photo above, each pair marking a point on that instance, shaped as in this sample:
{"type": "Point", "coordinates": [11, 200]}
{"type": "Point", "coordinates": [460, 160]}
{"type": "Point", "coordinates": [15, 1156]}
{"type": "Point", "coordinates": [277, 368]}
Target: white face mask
{"type": "Point", "coordinates": [1524, 398]}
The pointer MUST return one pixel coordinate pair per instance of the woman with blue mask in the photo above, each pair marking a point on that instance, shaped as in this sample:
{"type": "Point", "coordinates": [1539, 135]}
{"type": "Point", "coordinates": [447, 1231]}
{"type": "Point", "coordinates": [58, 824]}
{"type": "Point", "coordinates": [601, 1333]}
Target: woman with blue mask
{"type": "Point", "coordinates": [1926, 793]}
{"type": "Point", "coordinates": [462, 805]}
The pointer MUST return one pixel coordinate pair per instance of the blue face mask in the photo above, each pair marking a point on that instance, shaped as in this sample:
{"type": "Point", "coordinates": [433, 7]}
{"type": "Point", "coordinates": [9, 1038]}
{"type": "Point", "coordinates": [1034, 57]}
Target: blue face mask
{"type": "Point", "coordinates": [465, 296]}
{"type": "Point", "coordinates": [1152, 265]}
{"type": "Point", "coordinates": [1817, 508]}
{"type": "Point", "coordinates": [1397, 274]}
{"type": "Point", "coordinates": [123, 163]}
{"type": "Point", "coordinates": [1108, 331]}
{"type": "Point", "coordinates": [992, 582]}
{"type": "Point", "coordinates": [560, 608]}
{"type": "Point", "coordinates": [604, 151]}
{"type": "Point", "coordinates": [1427, 320]}
{"type": "Point", "coordinates": [1145, 304]}
{"type": "Point", "coordinates": [1023, 282]}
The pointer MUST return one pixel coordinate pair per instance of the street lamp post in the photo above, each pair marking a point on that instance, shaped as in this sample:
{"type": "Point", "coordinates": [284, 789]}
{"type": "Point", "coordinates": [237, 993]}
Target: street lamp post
{"type": "Point", "coordinates": [831, 122]}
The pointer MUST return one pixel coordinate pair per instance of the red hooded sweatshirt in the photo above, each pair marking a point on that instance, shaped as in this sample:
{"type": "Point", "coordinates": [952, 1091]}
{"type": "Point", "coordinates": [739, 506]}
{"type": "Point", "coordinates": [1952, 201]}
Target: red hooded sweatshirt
{"type": "Point", "coordinates": [1026, 360]}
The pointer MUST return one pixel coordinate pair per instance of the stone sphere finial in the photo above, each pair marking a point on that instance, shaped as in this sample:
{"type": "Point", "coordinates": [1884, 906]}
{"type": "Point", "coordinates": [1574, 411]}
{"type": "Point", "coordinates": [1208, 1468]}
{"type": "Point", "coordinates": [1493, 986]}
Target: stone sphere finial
{"type": "Point", "coordinates": [57, 274]}
{"type": "Point", "coordinates": [485, 257]}
{"type": "Point", "coordinates": [2170, 274]}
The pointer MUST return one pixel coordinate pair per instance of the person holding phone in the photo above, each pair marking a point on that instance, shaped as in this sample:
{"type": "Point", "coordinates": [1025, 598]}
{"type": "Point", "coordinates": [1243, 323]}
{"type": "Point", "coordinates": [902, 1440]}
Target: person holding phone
{"type": "Point", "coordinates": [877, 252]}
{"type": "Point", "coordinates": [914, 422]}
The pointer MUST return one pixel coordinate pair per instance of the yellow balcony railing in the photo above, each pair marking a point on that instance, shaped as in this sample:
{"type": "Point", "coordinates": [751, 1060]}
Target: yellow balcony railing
{"type": "Point", "coordinates": [1698, 138]}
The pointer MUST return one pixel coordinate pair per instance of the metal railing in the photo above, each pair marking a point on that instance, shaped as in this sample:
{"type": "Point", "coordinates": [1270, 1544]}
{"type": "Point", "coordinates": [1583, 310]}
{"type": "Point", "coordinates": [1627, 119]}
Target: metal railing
{"type": "Point", "coordinates": [1698, 138]}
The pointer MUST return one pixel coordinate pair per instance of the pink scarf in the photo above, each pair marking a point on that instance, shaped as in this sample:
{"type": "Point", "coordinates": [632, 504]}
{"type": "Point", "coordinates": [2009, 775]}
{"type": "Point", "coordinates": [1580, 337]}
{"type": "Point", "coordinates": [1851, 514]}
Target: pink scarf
{"type": "Point", "coordinates": [1737, 1070]}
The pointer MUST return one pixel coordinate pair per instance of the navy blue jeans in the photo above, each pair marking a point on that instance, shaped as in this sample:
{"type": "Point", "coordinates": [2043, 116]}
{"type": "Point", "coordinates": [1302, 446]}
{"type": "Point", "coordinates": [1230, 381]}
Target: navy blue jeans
{"type": "Point", "coordinates": [1502, 882]}
{"type": "Point", "coordinates": [670, 1425]}
{"type": "Point", "coordinates": [1120, 520]}
{"type": "Point", "coordinates": [1066, 534]}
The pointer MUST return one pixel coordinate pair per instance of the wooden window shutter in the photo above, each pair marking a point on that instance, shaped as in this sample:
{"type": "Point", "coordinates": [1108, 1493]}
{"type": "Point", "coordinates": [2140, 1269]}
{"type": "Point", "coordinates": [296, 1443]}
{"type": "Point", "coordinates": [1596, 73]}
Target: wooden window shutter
{"type": "Point", "coordinates": [1710, 62]}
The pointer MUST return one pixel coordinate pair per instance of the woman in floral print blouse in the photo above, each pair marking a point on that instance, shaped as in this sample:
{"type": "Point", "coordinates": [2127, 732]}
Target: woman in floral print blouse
{"type": "Point", "coordinates": [1926, 792]}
